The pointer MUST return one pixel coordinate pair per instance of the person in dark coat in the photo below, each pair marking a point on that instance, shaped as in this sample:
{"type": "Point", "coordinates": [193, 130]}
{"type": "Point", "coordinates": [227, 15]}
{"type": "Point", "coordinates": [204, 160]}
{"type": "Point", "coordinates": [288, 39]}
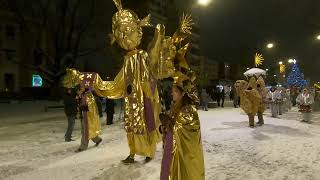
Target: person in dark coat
{"type": "Point", "coordinates": [70, 109]}
{"type": "Point", "coordinates": [109, 111]}
{"type": "Point", "coordinates": [99, 105]}
{"type": "Point", "coordinates": [222, 97]}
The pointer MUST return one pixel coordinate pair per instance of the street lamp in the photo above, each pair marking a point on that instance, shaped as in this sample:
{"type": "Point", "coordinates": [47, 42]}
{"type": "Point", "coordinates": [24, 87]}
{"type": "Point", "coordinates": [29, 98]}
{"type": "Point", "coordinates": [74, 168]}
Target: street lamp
{"type": "Point", "coordinates": [270, 45]}
{"type": "Point", "coordinates": [318, 37]}
{"type": "Point", "coordinates": [280, 62]}
{"type": "Point", "coordinates": [290, 61]}
{"type": "Point", "coordinates": [267, 69]}
{"type": "Point", "coordinates": [204, 2]}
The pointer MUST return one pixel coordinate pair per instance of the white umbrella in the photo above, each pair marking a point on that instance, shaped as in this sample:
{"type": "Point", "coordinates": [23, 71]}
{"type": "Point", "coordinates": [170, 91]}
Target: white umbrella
{"type": "Point", "coordinates": [255, 71]}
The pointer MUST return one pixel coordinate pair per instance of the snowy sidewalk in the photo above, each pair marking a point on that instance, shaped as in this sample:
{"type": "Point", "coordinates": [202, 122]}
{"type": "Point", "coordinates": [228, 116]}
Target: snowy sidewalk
{"type": "Point", "coordinates": [282, 149]}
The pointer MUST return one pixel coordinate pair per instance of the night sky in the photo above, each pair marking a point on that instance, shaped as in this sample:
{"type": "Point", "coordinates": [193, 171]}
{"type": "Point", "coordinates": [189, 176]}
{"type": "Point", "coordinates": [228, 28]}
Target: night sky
{"type": "Point", "coordinates": [233, 30]}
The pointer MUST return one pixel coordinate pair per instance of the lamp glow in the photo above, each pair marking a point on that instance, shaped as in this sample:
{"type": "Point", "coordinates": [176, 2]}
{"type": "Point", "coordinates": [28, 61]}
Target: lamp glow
{"type": "Point", "coordinates": [270, 45]}
{"type": "Point", "coordinates": [203, 2]}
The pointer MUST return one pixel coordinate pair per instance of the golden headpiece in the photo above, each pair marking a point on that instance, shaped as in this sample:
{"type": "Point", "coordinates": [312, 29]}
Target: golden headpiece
{"type": "Point", "coordinates": [186, 83]}
{"type": "Point", "coordinates": [126, 16]}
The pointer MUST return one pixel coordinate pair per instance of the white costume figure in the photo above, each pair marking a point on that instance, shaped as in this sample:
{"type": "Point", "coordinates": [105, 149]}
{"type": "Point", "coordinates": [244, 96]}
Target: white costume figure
{"type": "Point", "coordinates": [305, 101]}
{"type": "Point", "coordinates": [281, 96]}
{"type": "Point", "coordinates": [288, 103]}
{"type": "Point", "coordinates": [273, 99]}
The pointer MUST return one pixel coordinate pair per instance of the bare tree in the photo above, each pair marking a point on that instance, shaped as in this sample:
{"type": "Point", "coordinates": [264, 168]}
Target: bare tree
{"type": "Point", "coordinates": [61, 27]}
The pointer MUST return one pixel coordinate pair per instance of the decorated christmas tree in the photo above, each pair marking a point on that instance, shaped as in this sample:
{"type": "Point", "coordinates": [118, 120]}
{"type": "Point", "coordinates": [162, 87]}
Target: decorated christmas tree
{"type": "Point", "coordinates": [296, 78]}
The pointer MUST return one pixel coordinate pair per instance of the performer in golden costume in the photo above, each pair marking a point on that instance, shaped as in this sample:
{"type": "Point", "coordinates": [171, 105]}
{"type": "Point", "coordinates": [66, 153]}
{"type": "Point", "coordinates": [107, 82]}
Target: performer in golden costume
{"type": "Point", "coordinates": [180, 127]}
{"type": "Point", "coordinates": [250, 99]}
{"type": "Point", "coordinates": [183, 154]}
{"type": "Point", "coordinates": [140, 91]}
{"type": "Point", "coordinates": [90, 120]}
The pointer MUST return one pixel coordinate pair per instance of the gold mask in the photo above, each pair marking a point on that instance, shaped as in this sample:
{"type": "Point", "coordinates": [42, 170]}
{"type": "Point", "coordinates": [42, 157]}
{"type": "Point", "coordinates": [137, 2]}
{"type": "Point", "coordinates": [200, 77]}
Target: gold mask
{"type": "Point", "coordinates": [126, 27]}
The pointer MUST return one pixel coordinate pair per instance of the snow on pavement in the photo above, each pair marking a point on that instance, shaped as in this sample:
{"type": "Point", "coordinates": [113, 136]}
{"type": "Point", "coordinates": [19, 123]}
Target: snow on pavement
{"type": "Point", "coordinates": [32, 147]}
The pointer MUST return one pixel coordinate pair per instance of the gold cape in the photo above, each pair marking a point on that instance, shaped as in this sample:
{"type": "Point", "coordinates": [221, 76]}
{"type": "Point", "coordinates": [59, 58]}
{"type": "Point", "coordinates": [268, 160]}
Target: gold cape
{"type": "Point", "coordinates": [187, 155]}
{"type": "Point", "coordinates": [94, 126]}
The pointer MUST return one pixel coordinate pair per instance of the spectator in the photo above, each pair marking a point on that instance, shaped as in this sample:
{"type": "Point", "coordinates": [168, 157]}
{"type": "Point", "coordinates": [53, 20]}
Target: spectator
{"type": "Point", "coordinates": [70, 109]}
{"type": "Point", "coordinates": [110, 111]}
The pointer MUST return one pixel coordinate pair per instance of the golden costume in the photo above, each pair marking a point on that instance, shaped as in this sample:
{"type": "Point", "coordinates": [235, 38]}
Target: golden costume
{"type": "Point", "coordinates": [140, 92]}
{"type": "Point", "coordinates": [183, 152]}
{"type": "Point", "coordinates": [250, 99]}
{"type": "Point", "coordinates": [90, 120]}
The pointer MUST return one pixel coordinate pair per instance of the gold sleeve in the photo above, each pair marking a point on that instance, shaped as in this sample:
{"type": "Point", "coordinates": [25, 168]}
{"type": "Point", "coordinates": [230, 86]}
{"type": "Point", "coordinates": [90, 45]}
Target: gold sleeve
{"type": "Point", "coordinates": [110, 89]}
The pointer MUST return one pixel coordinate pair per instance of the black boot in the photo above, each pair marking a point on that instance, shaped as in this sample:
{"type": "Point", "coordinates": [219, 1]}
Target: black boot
{"type": "Point", "coordinates": [128, 160]}
{"type": "Point", "coordinates": [251, 121]}
{"type": "Point", "coordinates": [148, 159]}
{"type": "Point", "coordinates": [97, 143]}
{"type": "Point", "coordinates": [261, 121]}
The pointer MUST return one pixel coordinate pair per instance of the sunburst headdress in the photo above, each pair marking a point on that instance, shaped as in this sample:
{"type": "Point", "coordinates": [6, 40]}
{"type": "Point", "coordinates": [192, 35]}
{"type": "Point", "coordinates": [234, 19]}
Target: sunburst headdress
{"type": "Point", "coordinates": [126, 16]}
{"type": "Point", "coordinates": [258, 59]}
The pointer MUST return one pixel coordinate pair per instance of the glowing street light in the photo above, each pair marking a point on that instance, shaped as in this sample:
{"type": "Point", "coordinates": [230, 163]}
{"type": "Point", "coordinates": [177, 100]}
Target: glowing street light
{"type": "Point", "coordinates": [292, 61]}
{"type": "Point", "coordinates": [248, 68]}
{"type": "Point", "coordinates": [318, 37]}
{"type": "Point", "coordinates": [267, 69]}
{"type": "Point", "coordinates": [204, 2]}
{"type": "Point", "coordinates": [270, 45]}
{"type": "Point", "coordinates": [274, 75]}
{"type": "Point", "coordinates": [280, 62]}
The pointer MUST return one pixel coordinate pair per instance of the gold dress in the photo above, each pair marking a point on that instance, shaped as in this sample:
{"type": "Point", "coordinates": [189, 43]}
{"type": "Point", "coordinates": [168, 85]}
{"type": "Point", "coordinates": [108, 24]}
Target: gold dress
{"type": "Point", "coordinates": [183, 154]}
{"type": "Point", "coordinates": [91, 120]}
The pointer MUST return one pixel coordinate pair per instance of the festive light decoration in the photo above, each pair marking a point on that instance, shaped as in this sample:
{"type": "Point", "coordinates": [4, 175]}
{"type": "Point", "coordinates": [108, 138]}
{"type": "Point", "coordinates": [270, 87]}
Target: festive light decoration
{"type": "Point", "coordinates": [296, 78]}
{"type": "Point", "coordinates": [258, 59]}
{"type": "Point", "coordinates": [282, 68]}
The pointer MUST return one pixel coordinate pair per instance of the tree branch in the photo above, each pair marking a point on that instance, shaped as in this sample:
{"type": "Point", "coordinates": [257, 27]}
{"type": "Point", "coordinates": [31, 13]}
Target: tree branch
{"type": "Point", "coordinates": [84, 29]}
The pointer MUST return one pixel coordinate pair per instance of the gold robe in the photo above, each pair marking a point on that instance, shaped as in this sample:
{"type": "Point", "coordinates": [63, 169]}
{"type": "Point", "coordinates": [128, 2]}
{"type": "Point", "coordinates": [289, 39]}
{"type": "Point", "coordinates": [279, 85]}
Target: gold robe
{"type": "Point", "coordinates": [186, 158]}
{"type": "Point", "coordinates": [92, 125]}
{"type": "Point", "coordinates": [135, 83]}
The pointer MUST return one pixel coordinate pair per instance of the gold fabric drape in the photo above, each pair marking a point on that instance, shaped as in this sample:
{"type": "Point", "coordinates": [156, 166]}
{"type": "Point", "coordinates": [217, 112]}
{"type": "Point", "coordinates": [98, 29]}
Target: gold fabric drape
{"type": "Point", "coordinates": [187, 162]}
{"type": "Point", "coordinates": [94, 126]}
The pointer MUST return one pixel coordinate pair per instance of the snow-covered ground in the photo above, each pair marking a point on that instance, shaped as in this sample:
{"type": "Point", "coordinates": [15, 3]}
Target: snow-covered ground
{"type": "Point", "coordinates": [32, 147]}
